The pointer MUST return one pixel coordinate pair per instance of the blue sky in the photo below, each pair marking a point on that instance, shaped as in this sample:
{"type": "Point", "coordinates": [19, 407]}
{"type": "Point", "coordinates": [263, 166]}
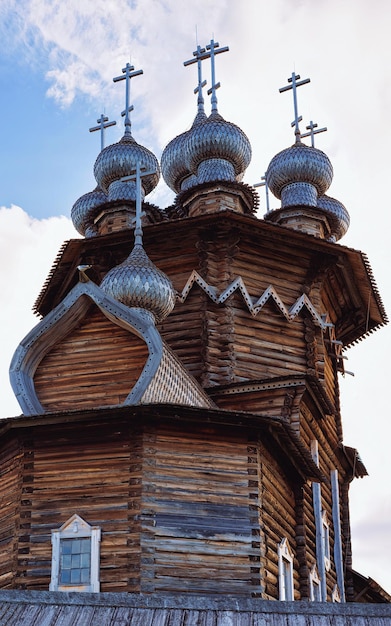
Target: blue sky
{"type": "Point", "coordinates": [57, 61]}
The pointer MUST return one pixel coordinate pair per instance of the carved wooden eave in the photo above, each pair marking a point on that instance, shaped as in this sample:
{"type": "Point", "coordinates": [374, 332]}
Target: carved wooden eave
{"type": "Point", "coordinates": [276, 433]}
{"type": "Point", "coordinates": [347, 279]}
{"type": "Point", "coordinates": [309, 385]}
{"type": "Point", "coordinates": [163, 378]}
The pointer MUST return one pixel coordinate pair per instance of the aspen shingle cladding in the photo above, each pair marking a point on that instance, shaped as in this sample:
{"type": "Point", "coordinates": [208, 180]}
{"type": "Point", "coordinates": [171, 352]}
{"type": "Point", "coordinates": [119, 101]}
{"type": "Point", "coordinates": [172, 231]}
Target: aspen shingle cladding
{"type": "Point", "coordinates": [117, 609]}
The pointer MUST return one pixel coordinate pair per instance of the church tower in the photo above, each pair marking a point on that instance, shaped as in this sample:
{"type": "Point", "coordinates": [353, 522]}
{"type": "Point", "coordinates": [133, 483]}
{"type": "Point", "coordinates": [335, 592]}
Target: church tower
{"type": "Point", "coordinates": [181, 429]}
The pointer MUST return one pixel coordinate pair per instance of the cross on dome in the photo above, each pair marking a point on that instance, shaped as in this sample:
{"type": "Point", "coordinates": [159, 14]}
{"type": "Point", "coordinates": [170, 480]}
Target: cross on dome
{"type": "Point", "coordinates": [295, 82]}
{"type": "Point", "coordinates": [312, 132]}
{"type": "Point", "coordinates": [137, 176]}
{"type": "Point", "coordinates": [214, 49]}
{"type": "Point", "coordinates": [103, 122]}
{"type": "Point", "coordinates": [201, 83]}
{"type": "Point", "coordinates": [129, 73]}
{"type": "Point", "coordinates": [264, 184]}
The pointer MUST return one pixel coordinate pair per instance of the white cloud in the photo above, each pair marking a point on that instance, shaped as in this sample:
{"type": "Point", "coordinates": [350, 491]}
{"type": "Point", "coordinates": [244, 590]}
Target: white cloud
{"type": "Point", "coordinates": [28, 248]}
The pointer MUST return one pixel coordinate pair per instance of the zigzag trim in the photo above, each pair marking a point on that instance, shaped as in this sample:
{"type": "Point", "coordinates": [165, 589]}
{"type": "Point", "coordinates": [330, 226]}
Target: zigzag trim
{"type": "Point", "coordinates": [255, 307]}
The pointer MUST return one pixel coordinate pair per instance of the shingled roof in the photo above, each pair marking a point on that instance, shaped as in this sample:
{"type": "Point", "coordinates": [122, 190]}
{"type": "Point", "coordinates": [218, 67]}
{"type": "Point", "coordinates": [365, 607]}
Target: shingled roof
{"type": "Point", "coordinates": [35, 608]}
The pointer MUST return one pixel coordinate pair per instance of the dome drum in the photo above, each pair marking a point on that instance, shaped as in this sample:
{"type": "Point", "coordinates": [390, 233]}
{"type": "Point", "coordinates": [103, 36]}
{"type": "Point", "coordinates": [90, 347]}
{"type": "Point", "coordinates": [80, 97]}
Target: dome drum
{"type": "Point", "coordinates": [215, 169]}
{"type": "Point", "coordinates": [298, 194]}
{"type": "Point", "coordinates": [124, 191]}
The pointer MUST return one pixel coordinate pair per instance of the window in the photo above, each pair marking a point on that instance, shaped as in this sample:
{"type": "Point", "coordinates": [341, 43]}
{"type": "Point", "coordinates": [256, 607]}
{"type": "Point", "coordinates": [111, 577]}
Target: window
{"type": "Point", "coordinates": [326, 540]}
{"type": "Point", "coordinates": [285, 571]}
{"type": "Point", "coordinates": [75, 556]}
{"type": "Point", "coordinates": [315, 590]}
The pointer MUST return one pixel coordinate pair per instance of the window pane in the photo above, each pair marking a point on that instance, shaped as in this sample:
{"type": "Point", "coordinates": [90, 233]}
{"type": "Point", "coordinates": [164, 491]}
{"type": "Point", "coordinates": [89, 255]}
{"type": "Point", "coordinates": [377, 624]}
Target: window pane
{"type": "Point", "coordinates": [66, 546]}
{"type": "Point", "coordinates": [75, 561]}
{"type": "Point", "coordinates": [66, 561]}
{"type": "Point", "coordinates": [75, 576]}
{"type": "Point", "coordinates": [85, 575]}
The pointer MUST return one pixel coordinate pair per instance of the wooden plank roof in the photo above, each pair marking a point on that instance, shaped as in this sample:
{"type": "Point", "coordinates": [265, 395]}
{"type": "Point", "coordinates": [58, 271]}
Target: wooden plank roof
{"type": "Point", "coordinates": [43, 608]}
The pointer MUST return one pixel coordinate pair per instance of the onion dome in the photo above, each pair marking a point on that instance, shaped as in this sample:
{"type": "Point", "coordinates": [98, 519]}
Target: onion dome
{"type": "Point", "coordinates": [138, 283]}
{"type": "Point", "coordinates": [173, 162]}
{"type": "Point", "coordinates": [120, 159]}
{"type": "Point", "coordinates": [337, 215]}
{"type": "Point", "coordinates": [299, 174]}
{"type": "Point", "coordinates": [217, 150]}
{"type": "Point", "coordinates": [85, 209]}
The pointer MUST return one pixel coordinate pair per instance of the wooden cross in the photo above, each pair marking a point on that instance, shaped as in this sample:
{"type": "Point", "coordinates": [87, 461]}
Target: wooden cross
{"type": "Point", "coordinates": [294, 83]}
{"type": "Point", "coordinates": [264, 184]}
{"type": "Point", "coordinates": [129, 73]}
{"type": "Point", "coordinates": [201, 83]}
{"type": "Point", "coordinates": [103, 122]}
{"type": "Point", "coordinates": [209, 53]}
{"type": "Point", "coordinates": [137, 176]}
{"type": "Point", "coordinates": [311, 128]}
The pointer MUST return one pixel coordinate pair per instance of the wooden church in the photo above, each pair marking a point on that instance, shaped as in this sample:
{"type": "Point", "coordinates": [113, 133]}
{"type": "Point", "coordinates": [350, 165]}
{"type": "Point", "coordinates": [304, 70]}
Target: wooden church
{"type": "Point", "coordinates": [180, 449]}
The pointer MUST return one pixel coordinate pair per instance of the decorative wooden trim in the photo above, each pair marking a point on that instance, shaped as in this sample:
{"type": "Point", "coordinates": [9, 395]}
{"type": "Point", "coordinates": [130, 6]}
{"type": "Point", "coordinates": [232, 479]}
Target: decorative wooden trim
{"type": "Point", "coordinates": [254, 307]}
{"type": "Point", "coordinates": [163, 378]}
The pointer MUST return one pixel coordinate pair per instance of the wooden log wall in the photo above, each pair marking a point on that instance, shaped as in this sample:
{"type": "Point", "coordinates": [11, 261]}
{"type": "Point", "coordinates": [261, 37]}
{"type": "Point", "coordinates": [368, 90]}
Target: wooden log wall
{"type": "Point", "coordinates": [200, 513]}
{"type": "Point", "coordinates": [278, 520]}
{"type": "Point", "coordinates": [11, 469]}
{"type": "Point", "coordinates": [94, 471]}
{"type": "Point", "coordinates": [223, 343]}
{"type": "Point", "coordinates": [97, 364]}
{"type": "Point", "coordinates": [325, 431]}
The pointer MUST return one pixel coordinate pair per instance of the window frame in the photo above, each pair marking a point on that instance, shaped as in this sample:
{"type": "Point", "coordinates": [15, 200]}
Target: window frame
{"type": "Point", "coordinates": [286, 589]}
{"type": "Point", "coordinates": [326, 540]}
{"type": "Point", "coordinates": [315, 586]}
{"type": "Point", "coordinates": [76, 528]}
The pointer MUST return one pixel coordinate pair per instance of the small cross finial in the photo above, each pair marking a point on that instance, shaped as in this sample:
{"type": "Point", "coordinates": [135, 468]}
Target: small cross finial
{"type": "Point", "coordinates": [103, 122]}
{"type": "Point", "coordinates": [312, 132]}
{"type": "Point", "coordinates": [128, 73]}
{"type": "Point", "coordinates": [295, 82]}
{"type": "Point", "coordinates": [264, 184]}
{"type": "Point", "coordinates": [139, 172]}
{"type": "Point", "coordinates": [201, 83]}
{"type": "Point", "coordinates": [214, 49]}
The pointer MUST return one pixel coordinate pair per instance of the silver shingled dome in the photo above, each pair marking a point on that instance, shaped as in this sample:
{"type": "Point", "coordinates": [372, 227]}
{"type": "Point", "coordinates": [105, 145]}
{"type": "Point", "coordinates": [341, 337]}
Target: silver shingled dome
{"type": "Point", "coordinates": [304, 168]}
{"type": "Point", "coordinates": [137, 282]}
{"type": "Point", "coordinates": [85, 209]}
{"type": "Point", "coordinates": [222, 142]}
{"type": "Point", "coordinates": [120, 159]}
{"type": "Point", "coordinates": [173, 162]}
{"type": "Point", "coordinates": [337, 214]}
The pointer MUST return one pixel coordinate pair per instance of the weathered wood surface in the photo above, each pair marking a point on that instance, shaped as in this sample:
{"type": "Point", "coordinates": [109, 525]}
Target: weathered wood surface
{"type": "Point", "coordinates": [96, 474]}
{"type": "Point", "coordinates": [200, 514]}
{"type": "Point", "coordinates": [51, 609]}
{"type": "Point", "coordinates": [97, 364]}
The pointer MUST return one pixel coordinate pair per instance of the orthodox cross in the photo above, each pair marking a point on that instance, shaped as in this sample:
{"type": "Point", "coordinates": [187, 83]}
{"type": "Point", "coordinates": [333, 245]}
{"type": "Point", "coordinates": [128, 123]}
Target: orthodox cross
{"type": "Point", "coordinates": [103, 122]}
{"type": "Point", "coordinates": [129, 73]}
{"type": "Point", "coordinates": [137, 176]}
{"type": "Point", "coordinates": [213, 50]}
{"type": "Point", "coordinates": [201, 83]}
{"type": "Point", "coordinates": [294, 83]}
{"type": "Point", "coordinates": [264, 184]}
{"type": "Point", "coordinates": [311, 128]}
